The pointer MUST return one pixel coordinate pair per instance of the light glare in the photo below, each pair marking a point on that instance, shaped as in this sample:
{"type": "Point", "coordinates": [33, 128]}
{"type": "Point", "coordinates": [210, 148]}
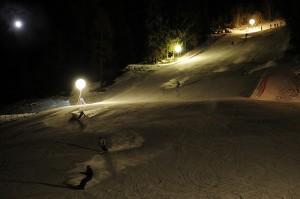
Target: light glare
{"type": "Point", "coordinates": [80, 84]}
{"type": "Point", "coordinates": [18, 24]}
{"type": "Point", "coordinates": [252, 22]}
{"type": "Point", "coordinates": [178, 48]}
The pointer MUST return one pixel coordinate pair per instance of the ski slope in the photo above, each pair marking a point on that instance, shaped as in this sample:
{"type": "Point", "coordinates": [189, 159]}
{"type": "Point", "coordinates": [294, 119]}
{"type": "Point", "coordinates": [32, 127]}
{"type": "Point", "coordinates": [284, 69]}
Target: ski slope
{"type": "Point", "coordinates": [201, 139]}
{"type": "Point", "coordinates": [213, 149]}
{"type": "Point", "coordinates": [220, 70]}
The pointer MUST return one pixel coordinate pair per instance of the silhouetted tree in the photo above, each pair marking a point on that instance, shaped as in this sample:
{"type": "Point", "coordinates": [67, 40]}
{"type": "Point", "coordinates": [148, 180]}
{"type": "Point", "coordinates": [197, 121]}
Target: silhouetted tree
{"type": "Point", "coordinates": [101, 44]}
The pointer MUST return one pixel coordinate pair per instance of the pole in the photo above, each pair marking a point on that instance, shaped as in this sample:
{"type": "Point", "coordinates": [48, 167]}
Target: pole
{"type": "Point", "coordinates": [79, 97]}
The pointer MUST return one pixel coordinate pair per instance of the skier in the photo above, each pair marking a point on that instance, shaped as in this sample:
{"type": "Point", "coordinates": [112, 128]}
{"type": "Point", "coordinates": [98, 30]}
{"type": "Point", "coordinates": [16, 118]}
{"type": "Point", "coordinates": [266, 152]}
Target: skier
{"type": "Point", "coordinates": [178, 84]}
{"type": "Point", "coordinates": [88, 176]}
{"type": "Point", "coordinates": [80, 115]}
{"type": "Point", "coordinates": [77, 115]}
{"type": "Point", "coordinates": [103, 144]}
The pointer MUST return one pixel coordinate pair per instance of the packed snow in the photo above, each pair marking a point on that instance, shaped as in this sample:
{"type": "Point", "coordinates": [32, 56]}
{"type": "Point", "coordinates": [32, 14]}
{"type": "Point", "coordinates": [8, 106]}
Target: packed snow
{"type": "Point", "coordinates": [212, 149]}
{"type": "Point", "coordinates": [222, 69]}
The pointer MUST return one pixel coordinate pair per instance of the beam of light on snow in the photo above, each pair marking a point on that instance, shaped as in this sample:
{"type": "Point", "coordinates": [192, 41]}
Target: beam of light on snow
{"type": "Point", "coordinates": [108, 102]}
{"type": "Point", "coordinates": [188, 60]}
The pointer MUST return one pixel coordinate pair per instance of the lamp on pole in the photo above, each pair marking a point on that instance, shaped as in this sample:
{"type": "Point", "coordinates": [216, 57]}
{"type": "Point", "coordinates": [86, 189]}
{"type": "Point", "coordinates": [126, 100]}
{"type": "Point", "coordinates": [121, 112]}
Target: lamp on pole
{"type": "Point", "coordinates": [80, 85]}
{"type": "Point", "coordinates": [178, 48]}
{"type": "Point", "coordinates": [252, 22]}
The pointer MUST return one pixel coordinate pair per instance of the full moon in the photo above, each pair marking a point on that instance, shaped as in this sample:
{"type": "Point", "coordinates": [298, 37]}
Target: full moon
{"type": "Point", "coordinates": [18, 24]}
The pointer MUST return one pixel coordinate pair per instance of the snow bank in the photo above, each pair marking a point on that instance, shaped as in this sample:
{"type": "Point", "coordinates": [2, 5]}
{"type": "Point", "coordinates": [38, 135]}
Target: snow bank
{"type": "Point", "coordinates": [34, 106]}
{"type": "Point", "coordinates": [14, 117]}
{"type": "Point", "coordinates": [278, 85]}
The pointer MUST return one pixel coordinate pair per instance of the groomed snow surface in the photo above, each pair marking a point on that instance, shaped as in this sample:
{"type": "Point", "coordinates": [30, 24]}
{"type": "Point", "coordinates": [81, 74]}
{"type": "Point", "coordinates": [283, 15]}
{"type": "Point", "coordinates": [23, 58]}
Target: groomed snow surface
{"type": "Point", "coordinates": [182, 130]}
{"type": "Point", "coordinates": [212, 149]}
{"type": "Point", "coordinates": [230, 67]}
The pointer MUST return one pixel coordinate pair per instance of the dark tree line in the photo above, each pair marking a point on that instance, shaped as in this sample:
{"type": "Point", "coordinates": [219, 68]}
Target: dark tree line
{"type": "Point", "coordinates": [290, 10]}
{"type": "Point", "coordinates": [190, 22]}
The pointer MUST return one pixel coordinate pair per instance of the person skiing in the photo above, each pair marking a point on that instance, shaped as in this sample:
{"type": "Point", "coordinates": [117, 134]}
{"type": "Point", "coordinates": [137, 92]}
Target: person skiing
{"type": "Point", "coordinates": [81, 115]}
{"type": "Point", "coordinates": [103, 144]}
{"type": "Point", "coordinates": [88, 176]}
{"type": "Point", "coordinates": [178, 85]}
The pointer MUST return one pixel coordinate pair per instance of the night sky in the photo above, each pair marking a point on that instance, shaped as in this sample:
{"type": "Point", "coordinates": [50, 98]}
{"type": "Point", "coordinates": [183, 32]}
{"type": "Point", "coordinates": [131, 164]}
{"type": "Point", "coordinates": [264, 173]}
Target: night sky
{"type": "Point", "coordinates": [57, 42]}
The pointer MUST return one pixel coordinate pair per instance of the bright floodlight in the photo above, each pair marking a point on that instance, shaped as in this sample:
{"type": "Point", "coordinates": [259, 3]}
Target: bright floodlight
{"type": "Point", "coordinates": [18, 24]}
{"type": "Point", "coordinates": [80, 84]}
{"type": "Point", "coordinates": [178, 48]}
{"type": "Point", "coordinates": [252, 22]}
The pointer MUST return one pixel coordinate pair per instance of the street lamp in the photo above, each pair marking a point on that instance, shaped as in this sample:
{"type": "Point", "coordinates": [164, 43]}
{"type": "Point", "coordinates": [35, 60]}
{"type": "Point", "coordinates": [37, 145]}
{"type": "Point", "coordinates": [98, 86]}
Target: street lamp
{"type": "Point", "coordinates": [80, 85]}
{"type": "Point", "coordinates": [252, 22]}
{"type": "Point", "coordinates": [178, 48]}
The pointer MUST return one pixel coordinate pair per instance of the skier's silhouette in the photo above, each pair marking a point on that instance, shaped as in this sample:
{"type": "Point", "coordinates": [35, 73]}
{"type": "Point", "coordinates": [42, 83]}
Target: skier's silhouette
{"type": "Point", "coordinates": [178, 85]}
{"type": "Point", "coordinates": [80, 115]}
{"type": "Point", "coordinates": [103, 144]}
{"type": "Point", "coordinates": [89, 175]}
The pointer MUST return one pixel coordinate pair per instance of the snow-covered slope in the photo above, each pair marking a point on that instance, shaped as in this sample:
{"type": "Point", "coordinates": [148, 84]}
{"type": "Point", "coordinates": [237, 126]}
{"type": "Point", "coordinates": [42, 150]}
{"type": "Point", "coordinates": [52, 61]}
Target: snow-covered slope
{"type": "Point", "coordinates": [219, 70]}
{"type": "Point", "coordinates": [213, 149]}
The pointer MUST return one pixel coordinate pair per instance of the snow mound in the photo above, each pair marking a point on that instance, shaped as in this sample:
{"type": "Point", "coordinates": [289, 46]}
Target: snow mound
{"type": "Point", "coordinates": [142, 68]}
{"type": "Point", "coordinates": [267, 65]}
{"type": "Point", "coordinates": [33, 106]}
{"type": "Point", "coordinates": [278, 85]}
{"type": "Point", "coordinates": [14, 117]}
{"type": "Point", "coordinates": [175, 83]}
